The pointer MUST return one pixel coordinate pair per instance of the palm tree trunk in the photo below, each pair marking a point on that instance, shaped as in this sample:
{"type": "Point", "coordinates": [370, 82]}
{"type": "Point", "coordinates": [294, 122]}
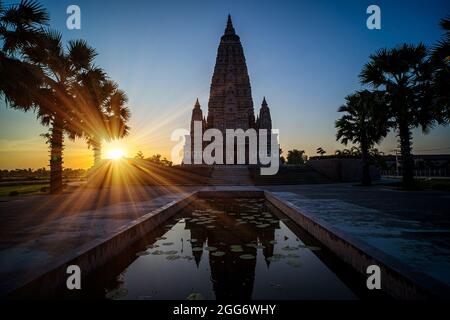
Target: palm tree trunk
{"type": "Point", "coordinates": [56, 150]}
{"type": "Point", "coordinates": [97, 147]}
{"type": "Point", "coordinates": [366, 178]}
{"type": "Point", "coordinates": [407, 158]}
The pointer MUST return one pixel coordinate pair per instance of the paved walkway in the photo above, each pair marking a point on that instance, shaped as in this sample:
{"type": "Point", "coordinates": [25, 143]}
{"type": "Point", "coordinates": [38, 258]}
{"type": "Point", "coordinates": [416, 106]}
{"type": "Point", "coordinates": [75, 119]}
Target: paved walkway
{"type": "Point", "coordinates": [414, 227]}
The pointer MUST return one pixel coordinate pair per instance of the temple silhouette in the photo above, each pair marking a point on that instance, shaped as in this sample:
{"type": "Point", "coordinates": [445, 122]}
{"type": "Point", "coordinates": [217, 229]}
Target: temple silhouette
{"type": "Point", "coordinates": [230, 103]}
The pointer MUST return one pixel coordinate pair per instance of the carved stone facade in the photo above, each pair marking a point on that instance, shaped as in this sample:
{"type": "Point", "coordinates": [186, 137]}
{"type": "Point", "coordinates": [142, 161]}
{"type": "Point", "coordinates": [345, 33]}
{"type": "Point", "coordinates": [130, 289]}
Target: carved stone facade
{"type": "Point", "coordinates": [230, 103]}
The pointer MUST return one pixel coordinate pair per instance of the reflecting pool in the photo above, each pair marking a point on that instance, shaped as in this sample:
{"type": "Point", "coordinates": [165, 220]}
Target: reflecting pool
{"type": "Point", "coordinates": [224, 249]}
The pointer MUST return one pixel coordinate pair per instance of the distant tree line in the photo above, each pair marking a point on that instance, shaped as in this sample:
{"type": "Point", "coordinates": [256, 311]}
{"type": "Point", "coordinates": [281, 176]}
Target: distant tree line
{"type": "Point", "coordinates": [41, 173]}
{"type": "Point", "coordinates": [156, 159]}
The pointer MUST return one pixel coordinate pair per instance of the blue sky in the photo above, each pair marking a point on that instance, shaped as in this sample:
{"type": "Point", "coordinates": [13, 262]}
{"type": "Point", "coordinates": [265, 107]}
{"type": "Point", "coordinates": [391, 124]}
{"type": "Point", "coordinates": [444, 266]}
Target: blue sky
{"type": "Point", "coordinates": [304, 56]}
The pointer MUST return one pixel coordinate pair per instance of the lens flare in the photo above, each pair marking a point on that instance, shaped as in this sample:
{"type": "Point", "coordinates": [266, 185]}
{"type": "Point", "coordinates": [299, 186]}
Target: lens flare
{"type": "Point", "coordinates": [115, 154]}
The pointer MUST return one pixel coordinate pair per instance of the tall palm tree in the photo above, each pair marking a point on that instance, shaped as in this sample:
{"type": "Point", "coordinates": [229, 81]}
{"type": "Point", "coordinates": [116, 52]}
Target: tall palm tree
{"type": "Point", "coordinates": [112, 117]}
{"type": "Point", "coordinates": [118, 114]}
{"type": "Point", "coordinates": [93, 92]}
{"type": "Point", "coordinates": [57, 100]}
{"type": "Point", "coordinates": [364, 123]}
{"type": "Point", "coordinates": [403, 75]}
{"type": "Point", "coordinates": [440, 61]}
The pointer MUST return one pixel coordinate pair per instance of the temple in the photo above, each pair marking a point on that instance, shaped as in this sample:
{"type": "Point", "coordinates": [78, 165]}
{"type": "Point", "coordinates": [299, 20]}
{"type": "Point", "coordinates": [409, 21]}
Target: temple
{"type": "Point", "coordinates": [230, 103]}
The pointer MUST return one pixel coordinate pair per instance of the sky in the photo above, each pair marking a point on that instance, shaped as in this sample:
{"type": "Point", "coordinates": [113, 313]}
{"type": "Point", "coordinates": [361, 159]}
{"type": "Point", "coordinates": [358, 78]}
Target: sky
{"type": "Point", "coordinates": [303, 56]}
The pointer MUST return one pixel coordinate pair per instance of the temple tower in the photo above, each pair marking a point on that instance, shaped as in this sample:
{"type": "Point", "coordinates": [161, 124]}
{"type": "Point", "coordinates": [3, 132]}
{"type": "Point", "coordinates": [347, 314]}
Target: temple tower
{"type": "Point", "coordinates": [230, 101]}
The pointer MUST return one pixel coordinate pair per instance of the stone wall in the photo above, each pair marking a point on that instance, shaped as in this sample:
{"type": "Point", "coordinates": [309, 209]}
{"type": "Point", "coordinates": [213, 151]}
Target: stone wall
{"type": "Point", "coordinates": [343, 170]}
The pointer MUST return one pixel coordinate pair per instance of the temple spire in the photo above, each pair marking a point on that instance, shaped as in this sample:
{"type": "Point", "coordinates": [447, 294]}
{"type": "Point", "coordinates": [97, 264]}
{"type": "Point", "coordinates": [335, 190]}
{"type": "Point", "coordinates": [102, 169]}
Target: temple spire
{"type": "Point", "coordinates": [197, 104]}
{"type": "Point", "coordinates": [229, 29]}
{"type": "Point", "coordinates": [264, 102]}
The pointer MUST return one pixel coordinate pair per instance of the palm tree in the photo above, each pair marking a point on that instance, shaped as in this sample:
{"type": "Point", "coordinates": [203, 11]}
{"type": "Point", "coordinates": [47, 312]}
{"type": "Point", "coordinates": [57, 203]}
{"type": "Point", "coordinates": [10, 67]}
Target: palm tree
{"type": "Point", "coordinates": [320, 151]}
{"type": "Point", "coordinates": [364, 123]}
{"type": "Point", "coordinates": [93, 92]}
{"type": "Point", "coordinates": [440, 61]}
{"type": "Point", "coordinates": [20, 26]}
{"type": "Point", "coordinates": [118, 114]}
{"type": "Point", "coordinates": [113, 117]}
{"type": "Point", "coordinates": [403, 76]}
{"type": "Point", "coordinates": [57, 98]}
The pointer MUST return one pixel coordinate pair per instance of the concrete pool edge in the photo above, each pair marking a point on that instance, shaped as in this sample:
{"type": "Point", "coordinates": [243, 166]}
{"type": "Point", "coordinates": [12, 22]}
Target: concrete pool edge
{"type": "Point", "coordinates": [398, 279]}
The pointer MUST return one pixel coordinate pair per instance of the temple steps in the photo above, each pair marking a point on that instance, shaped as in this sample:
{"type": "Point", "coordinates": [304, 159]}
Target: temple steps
{"type": "Point", "coordinates": [288, 175]}
{"type": "Point", "coordinates": [231, 175]}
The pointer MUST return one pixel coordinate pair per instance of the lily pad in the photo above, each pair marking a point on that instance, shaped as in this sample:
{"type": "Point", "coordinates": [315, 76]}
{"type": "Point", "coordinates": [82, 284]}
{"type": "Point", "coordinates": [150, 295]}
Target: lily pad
{"type": "Point", "coordinates": [210, 248]}
{"type": "Point", "coordinates": [293, 263]}
{"type": "Point", "coordinates": [289, 248]}
{"type": "Point", "coordinates": [195, 249]}
{"type": "Point", "coordinates": [116, 294]}
{"type": "Point", "coordinates": [167, 243]}
{"type": "Point", "coordinates": [218, 253]}
{"type": "Point", "coordinates": [276, 257]}
{"type": "Point", "coordinates": [247, 256]}
{"type": "Point", "coordinates": [195, 296]}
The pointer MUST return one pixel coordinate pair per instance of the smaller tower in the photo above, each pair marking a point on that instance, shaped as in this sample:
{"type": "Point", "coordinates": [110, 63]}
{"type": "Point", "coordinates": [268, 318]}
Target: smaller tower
{"type": "Point", "coordinates": [197, 115]}
{"type": "Point", "coordinates": [264, 120]}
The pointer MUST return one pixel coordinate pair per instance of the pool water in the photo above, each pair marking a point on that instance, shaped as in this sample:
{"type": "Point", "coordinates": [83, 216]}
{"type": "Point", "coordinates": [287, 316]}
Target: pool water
{"type": "Point", "coordinates": [223, 249]}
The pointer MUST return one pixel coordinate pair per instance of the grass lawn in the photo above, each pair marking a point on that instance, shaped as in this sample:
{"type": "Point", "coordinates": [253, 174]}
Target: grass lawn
{"type": "Point", "coordinates": [22, 189]}
{"type": "Point", "coordinates": [435, 184]}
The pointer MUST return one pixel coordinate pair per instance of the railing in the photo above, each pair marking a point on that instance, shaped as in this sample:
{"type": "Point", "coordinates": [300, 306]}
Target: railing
{"type": "Point", "coordinates": [420, 173]}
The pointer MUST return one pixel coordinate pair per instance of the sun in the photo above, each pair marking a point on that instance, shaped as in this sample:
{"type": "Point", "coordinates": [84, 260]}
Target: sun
{"type": "Point", "coordinates": [115, 154]}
